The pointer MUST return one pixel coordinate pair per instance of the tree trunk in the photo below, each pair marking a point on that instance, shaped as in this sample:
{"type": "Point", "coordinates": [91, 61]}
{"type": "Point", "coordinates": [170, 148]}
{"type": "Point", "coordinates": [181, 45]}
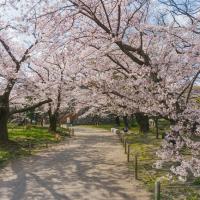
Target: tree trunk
{"type": "Point", "coordinates": [117, 121]}
{"type": "Point", "coordinates": [143, 122]}
{"type": "Point", "coordinates": [53, 120]}
{"type": "Point", "coordinates": [4, 114]}
{"type": "Point", "coordinates": [42, 122]}
{"type": "Point", "coordinates": [125, 118]}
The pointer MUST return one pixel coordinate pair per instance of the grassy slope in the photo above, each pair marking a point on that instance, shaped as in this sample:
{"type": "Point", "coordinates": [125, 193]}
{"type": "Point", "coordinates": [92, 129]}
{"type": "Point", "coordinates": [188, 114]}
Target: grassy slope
{"type": "Point", "coordinates": [20, 138]}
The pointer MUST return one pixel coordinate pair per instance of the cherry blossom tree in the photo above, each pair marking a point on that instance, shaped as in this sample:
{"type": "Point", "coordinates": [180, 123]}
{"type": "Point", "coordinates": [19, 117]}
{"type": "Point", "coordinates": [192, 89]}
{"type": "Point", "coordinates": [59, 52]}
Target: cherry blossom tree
{"type": "Point", "coordinates": [17, 42]}
{"type": "Point", "coordinates": [184, 134]}
{"type": "Point", "coordinates": [60, 79]}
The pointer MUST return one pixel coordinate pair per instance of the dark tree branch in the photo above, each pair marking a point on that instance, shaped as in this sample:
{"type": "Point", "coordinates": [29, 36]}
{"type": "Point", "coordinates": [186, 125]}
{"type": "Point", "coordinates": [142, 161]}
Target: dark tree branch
{"type": "Point", "coordinates": [105, 11]}
{"type": "Point", "coordinates": [25, 55]}
{"type": "Point", "coordinates": [117, 63]}
{"type": "Point", "coordinates": [36, 73]}
{"type": "Point", "coordinates": [30, 107]}
{"type": "Point", "coordinates": [191, 86]}
{"type": "Point", "coordinates": [119, 19]}
{"type": "Point", "coordinates": [7, 48]}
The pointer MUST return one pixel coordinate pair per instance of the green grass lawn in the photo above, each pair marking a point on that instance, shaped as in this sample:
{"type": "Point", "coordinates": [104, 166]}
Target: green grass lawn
{"type": "Point", "coordinates": [21, 138]}
{"type": "Point", "coordinates": [103, 126]}
{"type": "Point", "coordinates": [145, 146]}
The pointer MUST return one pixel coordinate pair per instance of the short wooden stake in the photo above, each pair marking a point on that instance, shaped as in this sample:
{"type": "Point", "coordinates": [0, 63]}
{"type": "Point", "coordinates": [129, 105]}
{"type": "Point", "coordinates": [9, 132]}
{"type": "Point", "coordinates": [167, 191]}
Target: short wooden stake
{"type": "Point", "coordinates": [69, 132]}
{"type": "Point", "coordinates": [46, 144]}
{"type": "Point", "coordinates": [157, 190]}
{"type": "Point", "coordinates": [136, 167]}
{"type": "Point", "coordinates": [124, 140]}
{"type": "Point", "coordinates": [128, 153]}
{"type": "Point", "coordinates": [29, 147]}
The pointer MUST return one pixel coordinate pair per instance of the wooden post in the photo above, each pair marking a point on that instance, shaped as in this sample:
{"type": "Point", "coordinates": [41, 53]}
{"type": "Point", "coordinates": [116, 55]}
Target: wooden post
{"type": "Point", "coordinates": [29, 147]}
{"type": "Point", "coordinates": [124, 141]}
{"type": "Point", "coordinates": [46, 144]}
{"type": "Point", "coordinates": [157, 190]}
{"type": "Point", "coordinates": [136, 167]}
{"type": "Point", "coordinates": [69, 131]}
{"type": "Point", "coordinates": [128, 153]}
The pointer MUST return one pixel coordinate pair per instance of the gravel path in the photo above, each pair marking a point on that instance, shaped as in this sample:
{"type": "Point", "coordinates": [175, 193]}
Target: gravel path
{"type": "Point", "coordinates": [92, 166]}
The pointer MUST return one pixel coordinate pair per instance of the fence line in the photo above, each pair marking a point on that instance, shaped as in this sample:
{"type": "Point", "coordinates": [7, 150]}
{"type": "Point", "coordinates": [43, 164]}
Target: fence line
{"type": "Point", "coordinates": [159, 187]}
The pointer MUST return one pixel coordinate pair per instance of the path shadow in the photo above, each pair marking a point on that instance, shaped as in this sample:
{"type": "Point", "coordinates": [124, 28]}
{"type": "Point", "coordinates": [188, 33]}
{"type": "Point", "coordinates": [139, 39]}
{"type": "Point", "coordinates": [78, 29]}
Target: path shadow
{"type": "Point", "coordinates": [81, 170]}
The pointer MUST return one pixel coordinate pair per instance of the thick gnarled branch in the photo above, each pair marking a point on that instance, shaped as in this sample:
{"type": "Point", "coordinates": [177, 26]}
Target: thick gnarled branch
{"type": "Point", "coordinates": [30, 107]}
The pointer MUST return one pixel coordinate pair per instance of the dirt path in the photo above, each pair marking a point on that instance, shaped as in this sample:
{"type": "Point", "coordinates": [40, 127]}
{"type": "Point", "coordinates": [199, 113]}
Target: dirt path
{"type": "Point", "coordinates": [90, 167]}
